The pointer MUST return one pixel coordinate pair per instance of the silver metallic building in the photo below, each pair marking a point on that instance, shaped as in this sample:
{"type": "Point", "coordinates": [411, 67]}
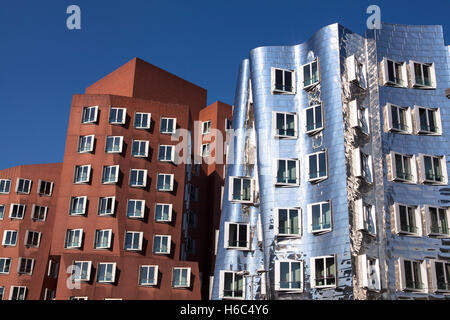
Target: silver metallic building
{"type": "Point", "coordinates": [337, 184]}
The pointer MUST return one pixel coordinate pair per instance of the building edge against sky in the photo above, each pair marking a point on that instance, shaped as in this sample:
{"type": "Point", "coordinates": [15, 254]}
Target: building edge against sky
{"type": "Point", "coordinates": [339, 185]}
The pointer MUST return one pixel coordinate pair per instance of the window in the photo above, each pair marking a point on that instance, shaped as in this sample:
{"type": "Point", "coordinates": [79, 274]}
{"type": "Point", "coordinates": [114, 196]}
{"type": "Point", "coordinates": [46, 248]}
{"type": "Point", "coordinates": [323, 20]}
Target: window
{"type": "Point", "coordinates": [317, 166]}
{"type": "Point", "coordinates": [136, 208]}
{"type": "Point", "coordinates": [288, 222]}
{"type": "Point", "coordinates": [323, 272]}
{"type": "Point", "coordinates": [140, 149]}
{"type": "Point", "coordinates": [433, 169]}
{"type": "Point", "coordinates": [49, 294]}
{"type": "Point", "coordinates": [106, 206]}
{"type": "Point", "coordinates": [142, 120]}
{"type": "Point", "coordinates": [77, 206]}
{"type": "Point", "coordinates": [2, 211]}
{"type": "Point", "coordinates": [114, 144]}
{"type": "Point", "coordinates": [231, 285]}
{"type": "Point", "coordinates": [228, 124]}
{"type": "Point", "coordinates": [5, 186]}
{"type": "Point", "coordinates": [359, 116]}
{"type": "Point", "coordinates": [5, 265]}
{"type": "Point", "coordinates": [138, 178]}
{"type": "Point", "coordinates": [319, 217]}
{"type": "Point", "coordinates": [2, 292]}
{"type": "Point", "coordinates": [161, 244]}
{"type": "Point", "coordinates": [133, 240]}
{"type": "Point", "coordinates": [437, 221]}
{"type": "Point", "coordinates": [17, 293]}
{"type": "Point", "coordinates": [168, 125]}
{"type": "Point", "coordinates": [17, 211]}
{"type": "Point", "coordinates": [148, 275]}
{"type": "Point", "coordinates": [164, 182]}
{"type": "Point", "coordinates": [288, 275]}
{"type": "Point", "coordinates": [181, 277]}
{"type": "Point", "coordinates": [283, 81]}
{"type": "Point", "coordinates": [10, 238]}
{"type": "Point", "coordinates": [311, 74]}
{"type": "Point", "coordinates": [440, 271]}
{"type": "Point", "coordinates": [365, 217]}
{"type": "Point", "coordinates": [89, 115]}
{"type": "Point", "coordinates": [166, 153]}
{"type": "Point", "coordinates": [32, 239]}
{"type": "Point", "coordinates": [45, 188]}
{"type": "Point", "coordinates": [362, 165]}
{"type": "Point", "coordinates": [237, 236]}
{"type": "Point", "coordinates": [206, 127]}
{"type": "Point", "coordinates": [110, 174]}
{"type": "Point", "coordinates": [106, 272]}
{"type": "Point", "coordinates": [403, 167]}
{"type": "Point", "coordinates": [74, 238]}
{"type": "Point", "coordinates": [206, 150]}
{"type": "Point", "coordinates": [398, 119]}
{"type": "Point", "coordinates": [23, 186]}
{"type": "Point", "coordinates": [163, 212]}
{"type": "Point", "coordinates": [287, 172]}
{"type": "Point", "coordinates": [53, 268]}
{"type": "Point", "coordinates": [356, 71]}
{"type": "Point", "coordinates": [82, 174]}
{"type": "Point", "coordinates": [25, 266]}
{"type": "Point", "coordinates": [413, 275]}
{"type": "Point", "coordinates": [117, 115]}
{"type": "Point", "coordinates": [314, 119]}
{"type": "Point", "coordinates": [423, 75]}
{"type": "Point", "coordinates": [428, 120]}
{"type": "Point", "coordinates": [285, 124]}
{"type": "Point", "coordinates": [103, 239]}
{"type": "Point", "coordinates": [408, 220]}
{"type": "Point", "coordinates": [241, 189]}
{"type": "Point", "coordinates": [86, 144]}
{"type": "Point", "coordinates": [81, 270]}
{"type": "Point", "coordinates": [393, 73]}
{"type": "Point", "coordinates": [369, 272]}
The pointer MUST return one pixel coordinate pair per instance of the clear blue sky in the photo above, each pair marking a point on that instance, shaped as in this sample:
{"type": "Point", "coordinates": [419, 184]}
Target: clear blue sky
{"type": "Point", "coordinates": [43, 63]}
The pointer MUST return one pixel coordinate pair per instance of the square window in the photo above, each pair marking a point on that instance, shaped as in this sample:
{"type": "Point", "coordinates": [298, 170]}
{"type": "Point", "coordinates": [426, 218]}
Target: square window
{"type": "Point", "coordinates": [283, 81]}
{"type": "Point", "coordinates": [10, 238]}
{"type": "Point", "coordinates": [241, 189]}
{"type": "Point", "coordinates": [181, 277]}
{"type": "Point", "coordinates": [168, 125]}
{"type": "Point", "coordinates": [433, 169]}
{"type": "Point", "coordinates": [73, 239]}
{"type": "Point", "coordinates": [136, 209]}
{"type": "Point", "coordinates": [408, 220]}
{"type": "Point", "coordinates": [311, 74]}
{"type": "Point", "coordinates": [365, 217]}
{"type": "Point", "coordinates": [86, 144]}
{"type": "Point", "coordinates": [45, 188]}
{"type": "Point", "coordinates": [285, 124]}
{"type": "Point", "coordinates": [166, 153]}
{"type": "Point", "coordinates": [393, 73]}
{"type": "Point", "coordinates": [231, 285]}
{"type": "Point", "coordinates": [317, 166]}
{"type": "Point", "coordinates": [423, 75]}
{"type": "Point", "coordinates": [287, 172]}
{"type": "Point", "coordinates": [206, 127]}
{"type": "Point", "coordinates": [23, 186]}
{"type": "Point", "coordinates": [5, 186]}
{"type": "Point", "coordinates": [142, 120]}
{"type": "Point", "coordinates": [437, 221]}
{"type": "Point", "coordinates": [320, 217]}
{"type": "Point", "coordinates": [237, 236]}
{"type": "Point", "coordinates": [403, 167]}
{"type": "Point", "coordinates": [140, 149]}
{"type": "Point", "coordinates": [82, 174]}
{"type": "Point", "coordinates": [103, 239]}
{"type": "Point", "coordinates": [163, 212]}
{"type": "Point", "coordinates": [114, 144]}
{"type": "Point", "coordinates": [164, 182]}
{"type": "Point", "coordinates": [81, 270]}
{"type": "Point", "coordinates": [89, 115]}
{"type": "Point", "coordinates": [25, 266]}
{"type": "Point", "coordinates": [288, 275]}
{"type": "Point", "coordinates": [106, 206]}
{"type": "Point", "coordinates": [5, 265]}
{"type": "Point", "coordinates": [110, 174]}
{"type": "Point", "coordinates": [323, 272]}
{"type": "Point", "coordinates": [133, 240]}
{"type": "Point", "coordinates": [413, 275]}
{"type": "Point", "coordinates": [369, 272]}
{"type": "Point", "coordinates": [440, 271]}
{"type": "Point", "coordinates": [17, 293]}
{"type": "Point", "coordinates": [106, 272]}
{"type": "Point", "coordinates": [398, 119]}
{"type": "Point", "coordinates": [77, 206]}
{"type": "Point", "coordinates": [138, 178]}
{"type": "Point", "coordinates": [148, 275]}
{"type": "Point", "coordinates": [17, 211]}
{"type": "Point", "coordinates": [288, 222]}
{"type": "Point", "coordinates": [161, 244]}
{"type": "Point", "coordinates": [428, 120]}
{"type": "Point", "coordinates": [32, 239]}
{"type": "Point", "coordinates": [314, 119]}
{"type": "Point", "coordinates": [117, 115]}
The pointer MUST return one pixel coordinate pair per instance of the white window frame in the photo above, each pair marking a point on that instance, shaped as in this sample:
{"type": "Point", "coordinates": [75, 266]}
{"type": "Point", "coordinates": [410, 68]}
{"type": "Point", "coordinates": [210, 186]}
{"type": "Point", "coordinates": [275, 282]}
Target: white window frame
{"type": "Point", "coordinates": [72, 199]}
{"type": "Point", "coordinates": [163, 205]}
{"type": "Point", "coordinates": [206, 150]}
{"type": "Point", "coordinates": [141, 143]}
{"type": "Point", "coordinates": [417, 220]}
{"type": "Point", "coordinates": [432, 71]}
{"type": "Point", "coordinates": [364, 212]}
{"type": "Point", "coordinates": [98, 235]}
{"type": "Point", "coordinates": [5, 185]}
{"type": "Point", "coordinates": [45, 183]}
{"type": "Point", "coordinates": [165, 153]}
{"type": "Point", "coordinates": [247, 241]}
{"type": "Point", "coordinates": [171, 181]}
{"type": "Point", "coordinates": [359, 115]}
{"type": "Point", "coordinates": [35, 237]}
{"type": "Point", "coordinates": [140, 240]}
{"type": "Point", "coordinates": [113, 272]}
{"type": "Point", "coordinates": [275, 123]}
{"type": "Point", "coordinates": [28, 182]}
{"type": "Point", "coordinates": [222, 285]}
{"type": "Point", "coordinates": [20, 208]}
{"type": "Point", "coordinates": [277, 222]}
{"type": "Point", "coordinates": [174, 126]}
{"type": "Point", "coordinates": [389, 121]}
{"type": "Point", "coordinates": [83, 142]}
{"type": "Point", "coordinates": [310, 219]}
{"type": "Point", "coordinates": [273, 81]}
{"type": "Point", "coordinates": [22, 292]}
{"type": "Point", "coordinates": [114, 138]}
{"type": "Point", "coordinates": [428, 221]}
{"type": "Point", "coordinates": [309, 65]}
{"type": "Point", "coordinates": [107, 199]}
{"type": "Point", "coordinates": [316, 154]}
{"type": "Point", "coordinates": [2, 211]}
{"type": "Point", "coordinates": [140, 125]}
{"type": "Point", "coordinates": [313, 272]}
{"type": "Point", "coordinates": [403, 76]}
{"type": "Point", "coordinates": [155, 276]}
{"type": "Point", "coordinates": [87, 277]}
{"type": "Point", "coordinates": [231, 188]}
{"type": "Point", "coordinates": [80, 239]}
{"type": "Point", "coordinates": [437, 117]}
{"type": "Point", "coordinates": [108, 177]}
{"type": "Point", "coordinates": [366, 272]}
{"type": "Point", "coordinates": [86, 110]}
{"type": "Point", "coordinates": [277, 275]}
{"type": "Point", "coordinates": [206, 127]}
{"type": "Point", "coordinates": [117, 120]}
{"type": "Point", "coordinates": [297, 172]}
{"type": "Point", "coordinates": [316, 128]}
{"type": "Point", "coordinates": [434, 280]}
{"type": "Point", "coordinates": [29, 265]}
{"type": "Point", "coordinates": [423, 275]}
{"type": "Point", "coordinates": [188, 277]}
{"type": "Point", "coordinates": [356, 71]}
{"type": "Point", "coordinates": [359, 159]}
{"type": "Point", "coordinates": [88, 176]}
{"type": "Point", "coordinates": [169, 243]}
{"type": "Point", "coordinates": [443, 164]}
{"type": "Point", "coordinates": [10, 244]}
{"type": "Point", "coordinates": [412, 163]}
{"type": "Point", "coordinates": [144, 182]}
{"type": "Point", "coordinates": [6, 267]}
{"type": "Point", "coordinates": [134, 216]}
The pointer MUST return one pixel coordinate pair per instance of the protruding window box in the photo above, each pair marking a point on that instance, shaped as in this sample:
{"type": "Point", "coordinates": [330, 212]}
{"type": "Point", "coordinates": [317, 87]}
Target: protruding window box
{"type": "Point", "coordinates": [237, 236]}
{"type": "Point", "coordinates": [311, 74]}
{"type": "Point", "coordinates": [283, 81]}
{"type": "Point", "coordinates": [241, 190]}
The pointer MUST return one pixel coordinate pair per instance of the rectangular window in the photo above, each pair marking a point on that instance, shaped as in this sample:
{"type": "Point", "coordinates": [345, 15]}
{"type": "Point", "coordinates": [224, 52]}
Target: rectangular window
{"type": "Point", "coordinates": [403, 167]}
{"type": "Point", "coordinates": [168, 125]}
{"type": "Point", "coordinates": [81, 270]}
{"type": "Point", "coordinates": [288, 275]}
{"type": "Point", "coordinates": [106, 272]}
{"type": "Point", "coordinates": [5, 186]}
{"type": "Point", "coordinates": [323, 272]}
{"type": "Point", "coordinates": [206, 127]}
{"type": "Point", "coordinates": [103, 239]}
{"type": "Point", "coordinates": [362, 165]}
{"type": "Point", "coordinates": [114, 144]}
{"type": "Point", "coordinates": [317, 166]}
{"type": "Point", "coordinates": [206, 150]}
{"type": "Point", "coordinates": [106, 206]}
{"type": "Point", "coordinates": [10, 238]}
{"type": "Point", "coordinates": [423, 75]}
{"type": "Point", "coordinates": [117, 115]}
{"type": "Point", "coordinates": [319, 217]}
{"type": "Point", "coordinates": [359, 116]}
{"type": "Point", "coordinates": [283, 81]}
{"type": "Point", "coordinates": [110, 174]}
{"type": "Point", "coordinates": [17, 211]}
{"type": "Point", "coordinates": [433, 169]}
{"type": "Point", "coordinates": [73, 239]}
{"type": "Point", "coordinates": [32, 239]}
{"type": "Point", "coordinates": [231, 285]}
{"type": "Point", "coordinates": [148, 275]}
{"type": "Point", "coordinates": [89, 115]}
{"type": "Point", "coordinates": [311, 74]}
{"type": "Point", "coordinates": [356, 71]}
{"type": "Point", "coordinates": [17, 293]}
{"type": "Point", "coordinates": [163, 212]}
{"type": "Point", "coordinates": [142, 120]}
{"type": "Point", "coordinates": [133, 240]}
{"type": "Point", "coordinates": [237, 235]}
{"type": "Point", "coordinates": [5, 265]}
{"type": "Point", "coordinates": [288, 222]}
{"type": "Point", "coordinates": [365, 217]}
{"type": "Point", "coordinates": [394, 73]}
{"type": "Point", "coordinates": [428, 120]}
{"type": "Point", "coordinates": [140, 149]}
{"type": "Point", "coordinates": [23, 186]}
{"type": "Point", "coordinates": [164, 182]}
{"type": "Point", "coordinates": [413, 275]}
{"type": "Point", "coordinates": [77, 206]}
{"type": "Point", "coordinates": [314, 119]}
{"type": "Point", "coordinates": [2, 292]}
{"type": "Point", "coordinates": [241, 189]}
{"type": "Point", "coordinates": [2, 211]}
{"type": "Point", "coordinates": [285, 124]}
{"type": "Point", "coordinates": [82, 174]}
{"type": "Point", "coordinates": [136, 209]}
{"type": "Point", "coordinates": [181, 277]}
{"type": "Point", "coordinates": [166, 153]}
{"type": "Point", "coordinates": [25, 266]}
{"type": "Point", "coordinates": [86, 144]}
{"type": "Point", "coordinates": [161, 244]}
{"type": "Point", "coordinates": [287, 172]}
{"type": "Point", "coordinates": [407, 220]}
{"type": "Point", "coordinates": [228, 124]}
{"type": "Point", "coordinates": [138, 178]}
{"type": "Point", "coordinates": [369, 272]}
{"type": "Point", "coordinates": [45, 188]}
{"type": "Point", "coordinates": [437, 219]}
{"type": "Point", "coordinates": [398, 119]}
{"type": "Point", "coordinates": [440, 271]}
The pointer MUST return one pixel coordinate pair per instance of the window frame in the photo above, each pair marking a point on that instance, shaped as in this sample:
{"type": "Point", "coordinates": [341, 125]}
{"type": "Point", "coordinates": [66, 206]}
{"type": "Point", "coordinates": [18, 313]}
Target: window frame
{"type": "Point", "coordinates": [172, 153]}
{"type": "Point", "coordinates": [30, 183]}
{"type": "Point", "coordinates": [140, 241]}
{"type": "Point", "coordinates": [98, 244]}
{"type": "Point", "coordinates": [88, 271]}
{"type": "Point", "coordinates": [6, 265]}
{"type": "Point", "coordinates": [188, 277]}
{"type": "Point", "coordinates": [386, 81]}
{"type": "Point", "coordinates": [358, 165]}
{"type": "Point", "coordinates": [134, 211]}
{"type": "Point", "coordinates": [141, 127]}
{"type": "Point", "coordinates": [423, 178]}
{"type": "Point", "coordinates": [113, 205]}
{"type": "Point", "coordinates": [316, 129]}
{"type": "Point", "coordinates": [356, 71]}
{"type": "Point", "coordinates": [277, 222]}
{"type": "Point", "coordinates": [274, 89]}
{"type": "Point", "coordinates": [310, 217]}
{"type": "Point", "coordinates": [19, 293]}
{"type": "Point", "coordinates": [113, 272]}
{"type": "Point", "coordinates": [222, 285]}
{"type": "Point", "coordinates": [231, 189]}
{"type": "Point", "coordinates": [423, 275]}
{"type": "Point", "coordinates": [144, 184]}
{"type": "Point", "coordinates": [412, 164]}
{"type": "Point", "coordinates": [206, 150]}
{"type": "Point", "coordinates": [362, 216]}
{"type": "Point", "coordinates": [88, 176]}
{"type": "Point", "coordinates": [6, 185]}
{"type": "Point", "coordinates": [33, 234]}
{"type": "Point", "coordinates": [83, 115]}
{"type": "Point", "coordinates": [171, 182]}
{"type": "Point", "coordinates": [10, 244]}
{"type": "Point", "coordinates": [434, 280]}
{"type": "Point", "coordinates": [81, 147]}
{"type": "Point", "coordinates": [71, 206]}
{"type": "Point", "coordinates": [26, 269]}
{"type": "Point", "coordinates": [308, 169]}
{"type": "Point", "coordinates": [169, 244]}
{"type": "Point", "coordinates": [117, 121]}
{"type": "Point", "coordinates": [80, 239]}
{"type": "Point", "coordinates": [313, 275]}
{"type": "Point", "coordinates": [418, 123]}
{"type": "Point", "coordinates": [107, 175]}
{"type": "Point", "coordinates": [45, 183]}
{"type": "Point", "coordinates": [227, 240]}
{"type": "Point", "coordinates": [277, 270]}
{"type": "Point", "coordinates": [364, 277]}
{"type": "Point", "coordinates": [357, 115]}
{"type": "Point", "coordinates": [432, 75]}
{"type": "Point", "coordinates": [389, 121]}
{"type": "Point", "coordinates": [309, 65]}
{"type": "Point", "coordinates": [277, 130]}
{"type": "Point", "coordinates": [417, 220]}
{"type": "Point", "coordinates": [146, 144]}
{"type": "Point", "coordinates": [429, 224]}
{"type": "Point", "coordinates": [174, 126]}
{"type": "Point", "coordinates": [155, 276]}
{"type": "Point", "coordinates": [163, 205]}
{"type": "Point", "coordinates": [207, 129]}
{"type": "Point", "coordinates": [113, 144]}
{"type": "Point", "coordinates": [297, 172]}
{"type": "Point", "coordinates": [21, 206]}
{"type": "Point", "coordinates": [2, 211]}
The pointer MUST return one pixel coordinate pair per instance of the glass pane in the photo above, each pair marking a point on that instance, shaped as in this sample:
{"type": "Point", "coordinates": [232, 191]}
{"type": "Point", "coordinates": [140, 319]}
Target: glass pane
{"type": "Point", "coordinates": [326, 216]}
{"type": "Point", "coordinates": [437, 170]}
{"type": "Point", "coordinates": [293, 218]}
{"type": "Point", "coordinates": [322, 165]}
{"type": "Point", "coordinates": [284, 275]}
{"type": "Point", "coordinates": [236, 189]}
{"type": "Point", "coordinates": [316, 221]}
{"type": "Point", "coordinates": [307, 75]}
{"type": "Point", "coordinates": [427, 76]}
{"type": "Point", "coordinates": [281, 174]}
{"type": "Point", "coordinates": [290, 125]}
{"type": "Point", "coordinates": [228, 284]}
{"type": "Point", "coordinates": [391, 72]}
{"type": "Point", "coordinates": [310, 125]}
{"type": "Point", "coordinates": [429, 173]}
{"type": "Point", "coordinates": [288, 81]}
{"type": "Point", "coordinates": [320, 272]}
{"type": "Point", "coordinates": [296, 275]}
{"type": "Point", "coordinates": [418, 72]}
{"type": "Point", "coordinates": [292, 172]}
{"type": "Point", "coordinates": [395, 118]}
{"type": "Point", "coordinates": [314, 72]}
{"type": "Point", "coordinates": [242, 235]}
{"type": "Point", "coordinates": [279, 80]}
{"type": "Point", "coordinates": [313, 170]}
{"type": "Point", "coordinates": [283, 227]}
{"type": "Point", "coordinates": [331, 274]}
{"type": "Point", "coordinates": [232, 235]}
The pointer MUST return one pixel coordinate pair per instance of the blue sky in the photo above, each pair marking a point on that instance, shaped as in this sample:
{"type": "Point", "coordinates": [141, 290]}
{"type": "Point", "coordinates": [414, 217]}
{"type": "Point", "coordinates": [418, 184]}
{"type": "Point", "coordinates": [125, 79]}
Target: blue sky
{"type": "Point", "coordinates": [43, 63]}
